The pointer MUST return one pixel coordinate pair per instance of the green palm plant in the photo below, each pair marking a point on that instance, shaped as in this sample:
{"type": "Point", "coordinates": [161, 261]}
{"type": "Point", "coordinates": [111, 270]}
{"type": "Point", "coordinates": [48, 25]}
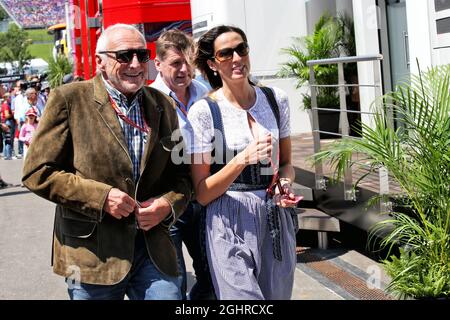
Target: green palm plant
{"type": "Point", "coordinates": [332, 37]}
{"type": "Point", "coordinates": [417, 156]}
{"type": "Point", "coordinates": [323, 43]}
{"type": "Point", "coordinates": [57, 69]}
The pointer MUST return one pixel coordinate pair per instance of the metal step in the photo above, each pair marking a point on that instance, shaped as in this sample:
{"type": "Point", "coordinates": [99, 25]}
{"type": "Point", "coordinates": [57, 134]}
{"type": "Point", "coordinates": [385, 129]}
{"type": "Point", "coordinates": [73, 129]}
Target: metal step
{"type": "Point", "coordinates": [313, 219]}
{"type": "Point", "coordinates": [304, 191]}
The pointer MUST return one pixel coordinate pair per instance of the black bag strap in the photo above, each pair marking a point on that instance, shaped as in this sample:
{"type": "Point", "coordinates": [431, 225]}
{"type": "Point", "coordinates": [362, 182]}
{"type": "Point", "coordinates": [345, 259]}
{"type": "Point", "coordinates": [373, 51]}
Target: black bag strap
{"type": "Point", "coordinates": [218, 126]}
{"type": "Point", "coordinates": [273, 103]}
{"type": "Point", "coordinates": [215, 112]}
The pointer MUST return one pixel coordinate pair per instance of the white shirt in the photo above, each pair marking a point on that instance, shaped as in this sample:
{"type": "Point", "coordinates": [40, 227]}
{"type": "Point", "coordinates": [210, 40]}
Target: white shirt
{"type": "Point", "coordinates": [196, 89]}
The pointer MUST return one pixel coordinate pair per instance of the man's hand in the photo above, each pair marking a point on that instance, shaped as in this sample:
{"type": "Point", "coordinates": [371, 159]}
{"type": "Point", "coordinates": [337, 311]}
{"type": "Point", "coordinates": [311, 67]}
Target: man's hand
{"type": "Point", "coordinates": [152, 212]}
{"type": "Point", "coordinates": [119, 204]}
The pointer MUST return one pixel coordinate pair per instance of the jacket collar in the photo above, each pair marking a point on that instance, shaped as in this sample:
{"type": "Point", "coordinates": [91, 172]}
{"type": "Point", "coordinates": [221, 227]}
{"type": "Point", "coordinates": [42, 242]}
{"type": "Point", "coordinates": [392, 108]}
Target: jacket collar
{"type": "Point", "coordinates": [100, 93]}
{"type": "Point", "coordinates": [152, 115]}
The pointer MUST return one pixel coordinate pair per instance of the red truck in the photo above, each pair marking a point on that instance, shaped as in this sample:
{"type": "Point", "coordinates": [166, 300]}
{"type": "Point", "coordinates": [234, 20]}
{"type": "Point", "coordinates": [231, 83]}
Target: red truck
{"type": "Point", "coordinates": [86, 19]}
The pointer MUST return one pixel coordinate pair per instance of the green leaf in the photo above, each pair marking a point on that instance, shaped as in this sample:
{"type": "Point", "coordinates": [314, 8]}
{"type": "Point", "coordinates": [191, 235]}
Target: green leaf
{"type": "Point", "coordinates": [417, 157]}
{"type": "Point", "coordinates": [57, 70]}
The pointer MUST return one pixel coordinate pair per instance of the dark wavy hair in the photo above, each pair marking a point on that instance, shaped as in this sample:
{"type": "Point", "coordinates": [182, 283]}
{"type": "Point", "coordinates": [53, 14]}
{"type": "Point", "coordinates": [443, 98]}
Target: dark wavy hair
{"type": "Point", "coordinates": [205, 52]}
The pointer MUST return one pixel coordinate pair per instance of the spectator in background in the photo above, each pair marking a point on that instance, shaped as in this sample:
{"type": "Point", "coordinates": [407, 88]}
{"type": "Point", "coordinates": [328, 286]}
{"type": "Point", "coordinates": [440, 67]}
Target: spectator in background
{"type": "Point", "coordinates": [45, 91]}
{"type": "Point", "coordinates": [33, 102]}
{"type": "Point", "coordinates": [28, 129]}
{"type": "Point", "coordinates": [7, 118]}
{"type": "Point", "coordinates": [36, 13]}
{"type": "Point", "coordinates": [174, 53]}
{"type": "Point", "coordinates": [68, 78]}
{"type": "Point", "coordinates": [19, 107]}
{"type": "Point", "coordinates": [3, 128]}
{"type": "Point", "coordinates": [36, 84]}
{"type": "Point", "coordinates": [2, 91]}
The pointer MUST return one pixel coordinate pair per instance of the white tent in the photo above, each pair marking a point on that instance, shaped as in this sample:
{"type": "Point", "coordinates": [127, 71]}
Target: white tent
{"type": "Point", "coordinates": [35, 66]}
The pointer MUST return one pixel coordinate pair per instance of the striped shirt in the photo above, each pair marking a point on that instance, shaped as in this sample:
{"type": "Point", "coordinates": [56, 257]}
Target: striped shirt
{"type": "Point", "coordinates": [134, 137]}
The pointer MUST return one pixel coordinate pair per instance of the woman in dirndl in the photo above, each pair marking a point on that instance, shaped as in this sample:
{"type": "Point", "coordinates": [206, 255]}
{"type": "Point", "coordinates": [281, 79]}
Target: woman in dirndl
{"type": "Point", "coordinates": [241, 169]}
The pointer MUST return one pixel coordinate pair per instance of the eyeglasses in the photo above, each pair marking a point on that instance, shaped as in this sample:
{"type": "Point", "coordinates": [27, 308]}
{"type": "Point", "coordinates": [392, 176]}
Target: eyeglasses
{"type": "Point", "coordinates": [126, 56]}
{"type": "Point", "coordinates": [241, 49]}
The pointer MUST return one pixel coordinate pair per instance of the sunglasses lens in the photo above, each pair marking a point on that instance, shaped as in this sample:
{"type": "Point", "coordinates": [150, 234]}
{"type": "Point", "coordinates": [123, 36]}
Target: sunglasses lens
{"type": "Point", "coordinates": [227, 53]}
{"type": "Point", "coordinates": [125, 56]}
{"type": "Point", "coordinates": [242, 49]}
{"type": "Point", "coordinates": [143, 55]}
{"type": "Point", "coordinates": [224, 54]}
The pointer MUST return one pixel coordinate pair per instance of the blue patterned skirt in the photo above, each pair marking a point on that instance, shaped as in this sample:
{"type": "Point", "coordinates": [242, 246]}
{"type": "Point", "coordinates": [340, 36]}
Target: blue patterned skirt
{"type": "Point", "coordinates": [240, 248]}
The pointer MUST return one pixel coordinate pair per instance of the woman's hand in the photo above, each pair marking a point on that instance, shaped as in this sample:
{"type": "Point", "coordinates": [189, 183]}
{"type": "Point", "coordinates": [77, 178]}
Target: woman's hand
{"type": "Point", "coordinates": [286, 198]}
{"type": "Point", "coordinates": [258, 150]}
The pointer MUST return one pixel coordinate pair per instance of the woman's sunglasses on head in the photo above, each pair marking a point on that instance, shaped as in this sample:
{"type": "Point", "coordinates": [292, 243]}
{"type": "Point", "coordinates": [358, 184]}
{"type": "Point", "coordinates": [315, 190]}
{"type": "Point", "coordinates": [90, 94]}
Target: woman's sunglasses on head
{"type": "Point", "coordinates": [241, 49]}
{"type": "Point", "coordinates": [126, 56]}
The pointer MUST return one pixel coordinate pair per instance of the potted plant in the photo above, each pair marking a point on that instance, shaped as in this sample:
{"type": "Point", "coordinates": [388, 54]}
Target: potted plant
{"type": "Point", "coordinates": [417, 156]}
{"type": "Point", "coordinates": [332, 37]}
{"type": "Point", "coordinates": [58, 68]}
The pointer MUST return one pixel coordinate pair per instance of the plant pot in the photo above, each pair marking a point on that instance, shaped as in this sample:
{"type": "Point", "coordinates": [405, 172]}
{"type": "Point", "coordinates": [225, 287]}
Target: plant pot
{"type": "Point", "coordinates": [329, 121]}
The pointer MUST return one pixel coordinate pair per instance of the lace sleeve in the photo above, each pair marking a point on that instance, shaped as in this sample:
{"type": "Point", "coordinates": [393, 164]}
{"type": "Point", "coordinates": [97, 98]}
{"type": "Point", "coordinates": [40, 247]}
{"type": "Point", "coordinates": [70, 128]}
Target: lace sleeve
{"type": "Point", "coordinates": [200, 127]}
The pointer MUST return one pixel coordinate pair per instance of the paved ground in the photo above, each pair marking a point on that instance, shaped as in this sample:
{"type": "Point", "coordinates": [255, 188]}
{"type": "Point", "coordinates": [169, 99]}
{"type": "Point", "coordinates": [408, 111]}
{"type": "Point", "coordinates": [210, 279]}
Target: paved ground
{"type": "Point", "coordinates": [25, 251]}
{"type": "Point", "coordinates": [25, 241]}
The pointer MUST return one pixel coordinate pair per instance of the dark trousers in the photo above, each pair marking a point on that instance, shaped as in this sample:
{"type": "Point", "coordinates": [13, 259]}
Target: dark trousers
{"type": "Point", "coordinates": [188, 229]}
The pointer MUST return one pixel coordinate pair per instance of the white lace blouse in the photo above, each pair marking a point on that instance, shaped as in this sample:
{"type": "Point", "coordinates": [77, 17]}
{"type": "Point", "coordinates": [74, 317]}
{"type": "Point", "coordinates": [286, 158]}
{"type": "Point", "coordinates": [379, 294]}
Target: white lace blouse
{"type": "Point", "coordinates": [237, 131]}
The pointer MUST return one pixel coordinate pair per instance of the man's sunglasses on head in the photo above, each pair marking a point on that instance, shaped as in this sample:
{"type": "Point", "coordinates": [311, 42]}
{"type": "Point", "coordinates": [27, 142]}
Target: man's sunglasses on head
{"type": "Point", "coordinates": [241, 49]}
{"type": "Point", "coordinates": [126, 56]}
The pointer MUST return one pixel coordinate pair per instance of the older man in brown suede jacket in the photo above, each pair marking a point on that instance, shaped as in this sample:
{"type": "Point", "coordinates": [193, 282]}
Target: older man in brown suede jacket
{"type": "Point", "coordinates": [102, 154]}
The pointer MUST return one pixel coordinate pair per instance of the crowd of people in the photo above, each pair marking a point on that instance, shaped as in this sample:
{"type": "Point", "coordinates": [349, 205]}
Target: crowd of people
{"type": "Point", "coordinates": [22, 105]}
{"type": "Point", "coordinates": [107, 152]}
{"type": "Point", "coordinates": [36, 13]}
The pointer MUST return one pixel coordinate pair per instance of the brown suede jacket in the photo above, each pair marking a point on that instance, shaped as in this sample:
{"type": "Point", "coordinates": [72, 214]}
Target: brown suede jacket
{"type": "Point", "coordinates": [78, 154]}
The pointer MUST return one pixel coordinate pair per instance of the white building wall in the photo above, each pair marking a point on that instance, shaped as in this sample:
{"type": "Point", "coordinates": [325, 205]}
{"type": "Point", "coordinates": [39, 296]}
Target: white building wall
{"type": "Point", "coordinates": [316, 8]}
{"type": "Point", "coordinates": [419, 31]}
{"type": "Point", "coordinates": [269, 25]}
{"type": "Point", "coordinates": [440, 43]}
{"type": "Point", "coordinates": [344, 6]}
{"type": "Point", "coordinates": [366, 38]}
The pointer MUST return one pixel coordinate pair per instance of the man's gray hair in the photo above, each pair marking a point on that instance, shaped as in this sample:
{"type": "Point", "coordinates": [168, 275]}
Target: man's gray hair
{"type": "Point", "coordinates": [102, 42]}
{"type": "Point", "coordinates": [30, 91]}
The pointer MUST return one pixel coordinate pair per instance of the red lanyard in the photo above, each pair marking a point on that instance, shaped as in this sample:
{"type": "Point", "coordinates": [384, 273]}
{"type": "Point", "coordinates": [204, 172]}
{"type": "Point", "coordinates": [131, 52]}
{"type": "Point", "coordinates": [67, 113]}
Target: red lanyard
{"type": "Point", "coordinates": [275, 178]}
{"type": "Point", "coordinates": [146, 129]}
{"type": "Point", "coordinates": [182, 109]}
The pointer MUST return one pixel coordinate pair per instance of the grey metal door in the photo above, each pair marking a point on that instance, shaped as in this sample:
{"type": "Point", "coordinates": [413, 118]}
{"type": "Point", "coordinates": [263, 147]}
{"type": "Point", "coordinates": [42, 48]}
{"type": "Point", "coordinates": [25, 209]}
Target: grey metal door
{"type": "Point", "coordinates": [398, 41]}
